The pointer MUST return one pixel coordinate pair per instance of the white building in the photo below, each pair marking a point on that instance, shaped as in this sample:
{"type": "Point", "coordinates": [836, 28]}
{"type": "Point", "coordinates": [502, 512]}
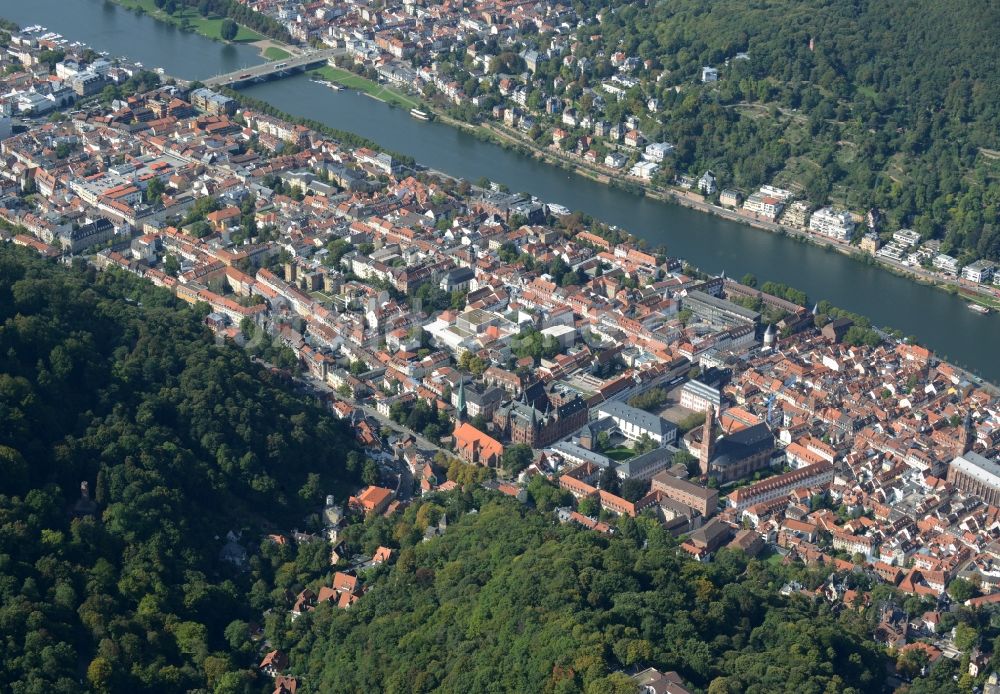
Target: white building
{"type": "Point", "coordinates": [945, 263]}
{"type": "Point", "coordinates": [697, 396]}
{"type": "Point", "coordinates": [657, 151]}
{"type": "Point", "coordinates": [764, 205]}
{"type": "Point", "coordinates": [893, 251]}
{"type": "Point", "coordinates": [775, 192]}
{"type": "Point", "coordinates": [615, 160]}
{"type": "Point", "coordinates": [906, 237]}
{"type": "Point", "coordinates": [634, 423]}
{"type": "Point", "coordinates": [979, 271]}
{"type": "Point", "coordinates": [644, 170]}
{"type": "Point", "coordinates": [709, 74]}
{"type": "Point", "coordinates": [706, 184]}
{"type": "Point", "coordinates": [835, 224]}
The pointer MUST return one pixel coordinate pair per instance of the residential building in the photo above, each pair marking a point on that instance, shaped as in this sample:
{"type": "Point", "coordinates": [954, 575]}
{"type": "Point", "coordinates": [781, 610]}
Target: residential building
{"type": "Point", "coordinates": [213, 103]}
{"type": "Point", "coordinates": [730, 198]}
{"type": "Point", "coordinates": [797, 214]}
{"type": "Point", "coordinates": [870, 243]}
{"type": "Point", "coordinates": [706, 184]}
{"type": "Point", "coordinates": [644, 170]}
{"type": "Point", "coordinates": [657, 151]}
{"type": "Point", "coordinates": [906, 237]}
{"type": "Point", "coordinates": [371, 501]}
{"type": "Point", "coordinates": [836, 224]}
{"type": "Point", "coordinates": [764, 206]}
{"type": "Point", "coordinates": [946, 263]}
{"type": "Point", "coordinates": [980, 271]}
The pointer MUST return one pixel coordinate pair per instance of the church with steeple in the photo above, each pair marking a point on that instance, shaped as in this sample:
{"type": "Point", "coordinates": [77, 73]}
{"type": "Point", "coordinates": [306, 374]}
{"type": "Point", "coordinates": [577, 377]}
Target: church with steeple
{"type": "Point", "coordinates": [731, 457]}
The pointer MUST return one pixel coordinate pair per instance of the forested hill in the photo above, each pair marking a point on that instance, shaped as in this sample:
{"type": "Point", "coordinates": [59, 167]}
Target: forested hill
{"type": "Point", "coordinates": [894, 104]}
{"type": "Point", "coordinates": [508, 601]}
{"type": "Point", "coordinates": [105, 379]}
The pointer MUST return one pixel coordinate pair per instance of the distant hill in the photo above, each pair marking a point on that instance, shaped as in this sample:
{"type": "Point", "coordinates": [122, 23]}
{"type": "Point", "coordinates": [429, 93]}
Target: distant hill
{"type": "Point", "coordinates": [861, 102]}
{"type": "Point", "coordinates": [105, 379]}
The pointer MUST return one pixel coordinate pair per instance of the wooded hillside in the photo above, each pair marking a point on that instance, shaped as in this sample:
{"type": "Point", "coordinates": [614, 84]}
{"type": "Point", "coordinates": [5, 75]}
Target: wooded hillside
{"type": "Point", "coordinates": [106, 379]}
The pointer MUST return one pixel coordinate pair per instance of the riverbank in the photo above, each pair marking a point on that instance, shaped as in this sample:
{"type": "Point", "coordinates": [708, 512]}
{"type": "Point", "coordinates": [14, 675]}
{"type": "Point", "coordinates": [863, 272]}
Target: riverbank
{"type": "Point", "coordinates": [970, 292]}
{"type": "Point", "coordinates": [381, 92]}
{"type": "Point", "coordinates": [188, 19]}
{"type": "Point", "coordinates": [512, 140]}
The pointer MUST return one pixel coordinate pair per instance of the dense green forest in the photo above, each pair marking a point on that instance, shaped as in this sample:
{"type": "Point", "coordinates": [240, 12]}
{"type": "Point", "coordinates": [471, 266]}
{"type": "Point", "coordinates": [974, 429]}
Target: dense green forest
{"type": "Point", "coordinates": [894, 105]}
{"type": "Point", "coordinates": [507, 600]}
{"type": "Point", "coordinates": [107, 379]}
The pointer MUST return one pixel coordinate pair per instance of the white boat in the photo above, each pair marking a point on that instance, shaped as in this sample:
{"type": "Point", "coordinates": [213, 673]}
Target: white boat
{"type": "Point", "coordinates": [558, 210]}
{"type": "Point", "coordinates": [979, 308]}
{"type": "Point", "coordinates": [419, 115]}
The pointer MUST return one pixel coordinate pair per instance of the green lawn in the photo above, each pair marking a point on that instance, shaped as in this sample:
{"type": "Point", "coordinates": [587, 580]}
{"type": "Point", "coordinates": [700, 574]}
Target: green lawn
{"type": "Point", "coordinates": [188, 18]}
{"type": "Point", "coordinates": [619, 453]}
{"type": "Point", "coordinates": [275, 53]}
{"type": "Point", "coordinates": [379, 91]}
{"type": "Point", "coordinates": [771, 556]}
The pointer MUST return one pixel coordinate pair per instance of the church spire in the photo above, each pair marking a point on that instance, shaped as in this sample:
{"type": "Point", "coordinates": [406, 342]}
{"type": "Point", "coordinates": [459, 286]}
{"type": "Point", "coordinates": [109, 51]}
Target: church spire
{"type": "Point", "coordinates": [460, 402]}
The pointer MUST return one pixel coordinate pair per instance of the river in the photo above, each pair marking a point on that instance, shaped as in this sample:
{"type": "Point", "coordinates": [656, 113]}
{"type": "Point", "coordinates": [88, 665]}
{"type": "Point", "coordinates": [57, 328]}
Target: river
{"type": "Point", "coordinates": [939, 320]}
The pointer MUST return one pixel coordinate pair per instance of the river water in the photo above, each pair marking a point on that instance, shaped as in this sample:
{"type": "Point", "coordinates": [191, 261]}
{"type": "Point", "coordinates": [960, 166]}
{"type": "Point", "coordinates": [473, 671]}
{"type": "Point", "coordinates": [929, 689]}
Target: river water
{"type": "Point", "coordinates": [939, 320]}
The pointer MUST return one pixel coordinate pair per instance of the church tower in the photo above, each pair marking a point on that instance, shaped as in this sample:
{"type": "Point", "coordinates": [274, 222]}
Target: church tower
{"type": "Point", "coordinates": [707, 442]}
{"type": "Point", "coordinates": [966, 437]}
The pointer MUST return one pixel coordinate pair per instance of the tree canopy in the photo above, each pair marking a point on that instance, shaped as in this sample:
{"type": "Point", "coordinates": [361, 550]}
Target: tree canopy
{"type": "Point", "coordinates": [505, 601]}
{"type": "Point", "coordinates": [108, 380]}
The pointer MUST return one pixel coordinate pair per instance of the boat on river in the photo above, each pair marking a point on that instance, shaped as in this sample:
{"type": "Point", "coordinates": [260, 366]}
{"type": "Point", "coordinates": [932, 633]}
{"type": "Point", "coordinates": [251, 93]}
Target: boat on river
{"type": "Point", "coordinates": [979, 308]}
{"type": "Point", "coordinates": [419, 115]}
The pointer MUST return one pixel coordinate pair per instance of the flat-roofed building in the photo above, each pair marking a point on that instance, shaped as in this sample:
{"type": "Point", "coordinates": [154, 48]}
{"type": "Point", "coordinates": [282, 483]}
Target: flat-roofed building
{"type": "Point", "coordinates": [836, 224]}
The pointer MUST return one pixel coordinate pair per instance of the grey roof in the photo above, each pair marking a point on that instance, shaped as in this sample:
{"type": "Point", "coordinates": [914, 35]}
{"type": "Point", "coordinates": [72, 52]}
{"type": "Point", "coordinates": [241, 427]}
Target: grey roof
{"type": "Point", "coordinates": [704, 390]}
{"type": "Point", "coordinates": [488, 396]}
{"type": "Point", "coordinates": [712, 533]}
{"type": "Point", "coordinates": [975, 465]}
{"type": "Point", "coordinates": [635, 467]}
{"type": "Point", "coordinates": [697, 296]}
{"type": "Point", "coordinates": [742, 444]}
{"type": "Point", "coordinates": [460, 274]}
{"type": "Point", "coordinates": [574, 451]}
{"type": "Point", "coordinates": [646, 421]}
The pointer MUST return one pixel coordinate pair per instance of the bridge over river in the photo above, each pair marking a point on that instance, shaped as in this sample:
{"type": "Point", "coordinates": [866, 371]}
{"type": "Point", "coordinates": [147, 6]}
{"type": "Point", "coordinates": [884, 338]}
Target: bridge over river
{"type": "Point", "coordinates": [274, 68]}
